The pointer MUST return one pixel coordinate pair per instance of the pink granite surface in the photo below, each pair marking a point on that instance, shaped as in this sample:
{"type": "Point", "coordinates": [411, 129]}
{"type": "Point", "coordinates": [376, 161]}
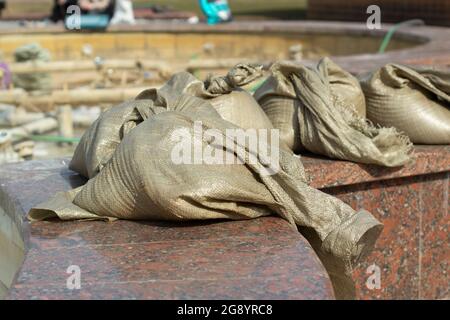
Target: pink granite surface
{"type": "Point", "coordinates": [259, 259]}
{"type": "Point", "coordinates": [412, 202]}
{"type": "Point", "coordinates": [254, 259]}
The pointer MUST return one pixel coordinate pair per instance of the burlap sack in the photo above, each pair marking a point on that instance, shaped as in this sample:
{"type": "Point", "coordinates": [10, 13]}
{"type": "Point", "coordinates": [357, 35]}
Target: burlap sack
{"type": "Point", "coordinates": [233, 104]}
{"type": "Point", "coordinates": [142, 180]}
{"type": "Point", "coordinates": [321, 110]}
{"type": "Point", "coordinates": [99, 142]}
{"type": "Point", "coordinates": [415, 101]}
{"type": "Point", "coordinates": [240, 108]}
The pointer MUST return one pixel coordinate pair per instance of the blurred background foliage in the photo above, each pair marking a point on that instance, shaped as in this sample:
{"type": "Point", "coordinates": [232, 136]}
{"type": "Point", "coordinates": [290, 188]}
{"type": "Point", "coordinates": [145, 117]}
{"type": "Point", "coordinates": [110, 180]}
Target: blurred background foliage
{"type": "Point", "coordinates": [255, 9]}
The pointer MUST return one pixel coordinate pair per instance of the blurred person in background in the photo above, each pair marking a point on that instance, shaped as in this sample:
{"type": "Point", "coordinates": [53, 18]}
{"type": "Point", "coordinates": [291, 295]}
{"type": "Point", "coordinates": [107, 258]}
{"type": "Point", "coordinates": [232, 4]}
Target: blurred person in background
{"type": "Point", "coordinates": [97, 6]}
{"type": "Point", "coordinates": [59, 10]}
{"type": "Point", "coordinates": [2, 6]}
{"type": "Point", "coordinates": [123, 12]}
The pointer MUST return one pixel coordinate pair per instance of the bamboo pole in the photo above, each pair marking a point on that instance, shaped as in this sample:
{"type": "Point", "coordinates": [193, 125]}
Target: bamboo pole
{"type": "Point", "coordinates": [65, 121]}
{"type": "Point", "coordinates": [17, 116]}
{"type": "Point", "coordinates": [163, 67]}
{"type": "Point", "coordinates": [86, 65]}
{"type": "Point", "coordinates": [95, 96]}
{"type": "Point", "coordinates": [36, 127]}
{"type": "Point", "coordinates": [206, 64]}
{"type": "Point", "coordinates": [72, 97]}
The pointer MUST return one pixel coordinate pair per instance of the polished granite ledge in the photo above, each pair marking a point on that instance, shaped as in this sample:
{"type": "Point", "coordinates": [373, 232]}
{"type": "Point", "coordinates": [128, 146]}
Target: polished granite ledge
{"type": "Point", "coordinates": [260, 259]}
{"type": "Point", "coordinates": [411, 254]}
{"type": "Point", "coordinates": [326, 173]}
{"type": "Point", "coordinates": [255, 259]}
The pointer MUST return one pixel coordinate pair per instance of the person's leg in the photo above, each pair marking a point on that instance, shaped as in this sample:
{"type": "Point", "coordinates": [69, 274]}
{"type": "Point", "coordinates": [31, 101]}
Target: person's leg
{"type": "Point", "coordinates": [111, 9]}
{"type": "Point", "coordinates": [57, 12]}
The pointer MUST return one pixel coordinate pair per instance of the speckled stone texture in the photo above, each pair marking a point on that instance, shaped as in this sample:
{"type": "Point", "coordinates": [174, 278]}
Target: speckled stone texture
{"type": "Point", "coordinates": [255, 259]}
{"type": "Point", "coordinates": [412, 203]}
{"type": "Point", "coordinates": [259, 259]}
{"type": "Point", "coordinates": [263, 258]}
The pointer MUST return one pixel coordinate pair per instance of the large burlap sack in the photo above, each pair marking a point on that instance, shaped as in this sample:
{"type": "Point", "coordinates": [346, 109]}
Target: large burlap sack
{"type": "Point", "coordinates": [240, 108]}
{"type": "Point", "coordinates": [415, 101]}
{"type": "Point", "coordinates": [144, 180]}
{"type": "Point", "coordinates": [321, 110]}
{"type": "Point", "coordinates": [283, 114]}
{"type": "Point", "coordinates": [235, 105]}
{"type": "Point", "coordinates": [99, 142]}
{"type": "Point", "coordinates": [232, 103]}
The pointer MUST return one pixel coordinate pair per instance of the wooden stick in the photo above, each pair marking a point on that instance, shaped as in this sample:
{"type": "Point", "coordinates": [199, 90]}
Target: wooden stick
{"type": "Point", "coordinates": [35, 127]}
{"type": "Point", "coordinates": [65, 121]}
{"type": "Point", "coordinates": [213, 64]}
{"type": "Point", "coordinates": [85, 65]}
{"type": "Point", "coordinates": [72, 97]}
{"type": "Point", "coordinates": [88, 65]}
{"type": "Point", "coordinates": [19, 117]}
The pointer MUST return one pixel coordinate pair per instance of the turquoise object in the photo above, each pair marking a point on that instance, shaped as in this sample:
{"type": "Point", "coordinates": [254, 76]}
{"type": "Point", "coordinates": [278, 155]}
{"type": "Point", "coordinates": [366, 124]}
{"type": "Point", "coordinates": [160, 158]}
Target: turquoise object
{"type": "Point", "coordinates": [87, 22]}
{"type": "Point", "coordinates": [216, 11]}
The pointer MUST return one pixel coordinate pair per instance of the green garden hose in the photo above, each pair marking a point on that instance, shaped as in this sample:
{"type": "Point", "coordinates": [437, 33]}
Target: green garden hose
{"type": "Point", "coordinates": [257, 85]}
{"type": "Point", "coordinates": [45, 138]}
{"type": "Point", "coordinates": [387, 38]}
